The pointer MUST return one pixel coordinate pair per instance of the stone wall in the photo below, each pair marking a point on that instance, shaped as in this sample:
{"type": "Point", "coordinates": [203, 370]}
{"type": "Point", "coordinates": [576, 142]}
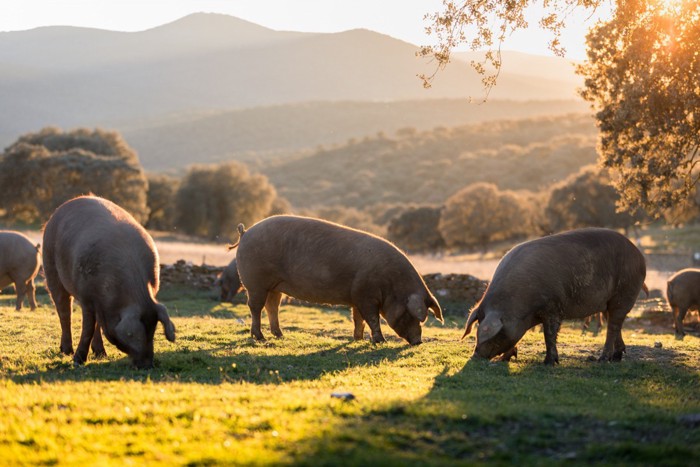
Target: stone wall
{"type": "Point", "coordinates": [463, 289]}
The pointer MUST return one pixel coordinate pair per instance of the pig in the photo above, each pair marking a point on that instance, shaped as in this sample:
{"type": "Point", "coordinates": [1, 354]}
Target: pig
{"type": "Point", "coordinates": [322, 262]}
{"type": "Point", "coordinates": [96, 252]}
{"type": "Point", "coordinates": [587, 322]}
{"type": "Point", "coordinates": [20, 260]}
{"type": "Point", "coordinates": [568, 275]}
{"type": "Point", "coordinates": [683, 294]}
{"type": "Point", "coordinates": [229, 282]}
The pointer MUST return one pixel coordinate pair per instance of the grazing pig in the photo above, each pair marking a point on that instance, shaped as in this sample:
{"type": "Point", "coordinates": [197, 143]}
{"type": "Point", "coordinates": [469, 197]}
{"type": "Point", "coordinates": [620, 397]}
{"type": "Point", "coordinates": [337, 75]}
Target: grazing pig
{"type": "Point", "coordinates": [568, 275]}
{"type": "Point", "coordinates": [587, 322]}
{"type": "Point", "coordinates": [229, 282]}
{"type": "Point", "coordinates": [19, 264]}
{"type": "Point", "coordinates": [323, 262]}
{"type": "Point", "coordinates": [96, 252]}
{"type": "Point", "coordinates": [683, 293]}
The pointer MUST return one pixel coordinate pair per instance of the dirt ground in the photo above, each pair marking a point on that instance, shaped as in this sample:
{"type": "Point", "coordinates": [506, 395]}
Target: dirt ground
{"type": "Point", "coordinates": [483, 268]}
{"type": "Point", "coordinates": [173, 247]}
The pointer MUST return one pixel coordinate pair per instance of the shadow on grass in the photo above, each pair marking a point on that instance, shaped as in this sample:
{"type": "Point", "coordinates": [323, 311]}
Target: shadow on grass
{"type": "Point", "coordinates": [222, 364]}
{"type": "Point", "coordinates": [530, 414]}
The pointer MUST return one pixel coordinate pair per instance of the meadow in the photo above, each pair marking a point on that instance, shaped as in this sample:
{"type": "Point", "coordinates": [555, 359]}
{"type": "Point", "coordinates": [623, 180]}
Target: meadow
{"type": "Point", "coordinates": [217, 397]}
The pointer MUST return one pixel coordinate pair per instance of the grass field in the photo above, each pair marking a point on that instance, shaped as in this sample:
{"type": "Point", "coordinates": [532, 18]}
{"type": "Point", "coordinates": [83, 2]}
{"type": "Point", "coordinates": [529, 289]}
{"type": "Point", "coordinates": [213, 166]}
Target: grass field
{"type": "Point", "coordinates": [217, 397]}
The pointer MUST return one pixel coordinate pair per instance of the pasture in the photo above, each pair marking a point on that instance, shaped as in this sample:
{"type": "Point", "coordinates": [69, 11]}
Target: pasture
{"type": "Point", "coordinates": [217, 397]}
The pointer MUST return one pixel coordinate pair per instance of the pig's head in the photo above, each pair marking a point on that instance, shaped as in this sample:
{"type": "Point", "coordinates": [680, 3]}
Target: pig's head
{"type": "Point", "coordinates": [133, 333]}
{"type": "Point", "coordinates": [229, 287]}
{"type": "Point", "coordinates": [407, 319]}
{"type": "Point", "coordinates": [497, 333]}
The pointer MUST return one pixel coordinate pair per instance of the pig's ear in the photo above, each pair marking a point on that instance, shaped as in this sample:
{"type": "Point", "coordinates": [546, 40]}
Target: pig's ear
{"type": "Point", "coordinates": [416, 306]}
{"type": "Point", "coordinates": [167, 324]}
{"type": "Point", "coordinates": [490, 326]}
{"type": "Point", "coordinates": [474, 316]}
{"type": "Point", "coordinates": [434, 306]}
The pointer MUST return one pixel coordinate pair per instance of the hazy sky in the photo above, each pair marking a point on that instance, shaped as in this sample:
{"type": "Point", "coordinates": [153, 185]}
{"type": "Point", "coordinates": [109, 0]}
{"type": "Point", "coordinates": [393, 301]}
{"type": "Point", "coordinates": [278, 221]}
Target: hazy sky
{"type": "Point", "coordinates": [402, 19]}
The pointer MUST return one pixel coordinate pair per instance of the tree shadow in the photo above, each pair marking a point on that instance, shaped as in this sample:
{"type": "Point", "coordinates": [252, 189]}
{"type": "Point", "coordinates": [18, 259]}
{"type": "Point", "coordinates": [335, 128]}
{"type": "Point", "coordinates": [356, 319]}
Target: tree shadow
{"type": "Point", "coordinates": [528, 413]}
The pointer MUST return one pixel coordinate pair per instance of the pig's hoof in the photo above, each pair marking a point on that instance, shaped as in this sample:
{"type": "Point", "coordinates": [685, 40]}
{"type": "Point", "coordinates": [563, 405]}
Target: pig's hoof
{"type": "Point", "coordinates": [551, 361]}
{"type": "Point", "coordinates": [277, 333]}
{"type": "Point", "coordinates": [378, 340]}
{"type": "Point", "coordinates": [66, 350]}
{"type": "Point", "coordinates": [680, 336]}
{"type": "Point", "coordinates": [99, 354]}
{"type": "Point", "coordinates": [258, 337]}
{"type": "Point", "coordinates": [78, 363]}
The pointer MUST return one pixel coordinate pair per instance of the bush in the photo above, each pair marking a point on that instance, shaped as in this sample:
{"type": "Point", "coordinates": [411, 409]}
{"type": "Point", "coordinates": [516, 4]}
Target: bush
{"type": "Point", "coordinates": [416, 229]}
{"type": "Point", "coordinates": [42, 170]}
{"type": "Point", "coordinates": [585, 199]}
{"type": "Point", "coordinates": [213, 199]}
{"type": "Point", "coordinates": [161, 201]}
{"type": "Point", "coordinates": [481, 213]}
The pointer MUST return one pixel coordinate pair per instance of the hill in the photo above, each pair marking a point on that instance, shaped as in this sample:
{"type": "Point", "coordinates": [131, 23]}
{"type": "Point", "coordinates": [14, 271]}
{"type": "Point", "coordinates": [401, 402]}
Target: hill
{"type": "Point", "coordinates": [68, 77]}
{"type": "Point", "coordinates": [261, 134]}
{"type": "Point", "coordinates": [429, 166]}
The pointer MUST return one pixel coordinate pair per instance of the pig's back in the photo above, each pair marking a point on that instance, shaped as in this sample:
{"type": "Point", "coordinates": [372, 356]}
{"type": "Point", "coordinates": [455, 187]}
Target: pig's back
{"type": "Point", "coordinates": [313, 259]}
{"type": "Point", "coordinates": [89, 239]}
{"type": "Point", "coordinates": [581, 270]}
{"type": "Point", "coordinates": [17, 252]}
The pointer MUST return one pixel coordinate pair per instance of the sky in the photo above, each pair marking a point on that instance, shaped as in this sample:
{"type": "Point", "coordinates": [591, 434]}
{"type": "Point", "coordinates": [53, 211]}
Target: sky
{"type": "Point", "coordinates": [402, 19]}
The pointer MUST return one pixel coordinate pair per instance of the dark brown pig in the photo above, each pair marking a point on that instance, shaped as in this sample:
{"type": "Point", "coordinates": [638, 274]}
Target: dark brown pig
{"type": "Point", "coordinates": [19, 265]}
{"type": "Point", "coordinates": [96, 252]}
{"type": "Point", "coordinates": [569, 275]}
{"type": "Point", "coordinates": [587, 322]}
{"type": "Point", "coordinates": [229, 282]}
{"type": "Point", "coordinates": [683, 293]}
{"type": "Point", "coordinates": [323, 262]}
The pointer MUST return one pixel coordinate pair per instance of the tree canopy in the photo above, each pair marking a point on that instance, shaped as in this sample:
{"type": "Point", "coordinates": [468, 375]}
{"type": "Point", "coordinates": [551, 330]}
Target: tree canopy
{"type": "Point", "coordinates": [213, 199]}
{"type": "Point", "coordinates": [481, 213]}
{"type": "Point", "coordinates": [643, 79]}
{"type": "Point", "coordinates": [485, 25]}
{"type": "Point", "coordinates": [585, 199]}
{"type": "Point", "coordinates": [42, 170]}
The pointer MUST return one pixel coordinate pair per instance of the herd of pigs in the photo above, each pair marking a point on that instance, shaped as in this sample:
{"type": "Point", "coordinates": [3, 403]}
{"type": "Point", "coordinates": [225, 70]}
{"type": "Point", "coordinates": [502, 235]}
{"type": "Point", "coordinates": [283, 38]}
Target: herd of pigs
{"type": "Point", "coordinates": [95, 252]}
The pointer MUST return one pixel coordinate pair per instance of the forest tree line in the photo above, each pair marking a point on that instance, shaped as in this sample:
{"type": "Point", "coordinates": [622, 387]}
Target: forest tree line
{"type": "Point", "coordinates": [487, 184]}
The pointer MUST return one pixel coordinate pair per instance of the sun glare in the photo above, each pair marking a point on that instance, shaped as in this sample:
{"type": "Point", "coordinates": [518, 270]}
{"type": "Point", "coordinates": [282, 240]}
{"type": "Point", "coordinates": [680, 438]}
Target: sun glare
{"type": "Point", "coordinates": [670, 6]}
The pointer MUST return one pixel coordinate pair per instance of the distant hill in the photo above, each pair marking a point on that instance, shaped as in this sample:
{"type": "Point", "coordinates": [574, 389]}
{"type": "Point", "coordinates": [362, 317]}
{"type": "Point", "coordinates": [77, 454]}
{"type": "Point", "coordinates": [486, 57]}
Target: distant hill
{"type": "Point", "coordinates": [264, 133]}
{"type": "Point", "coordinates": [71, 77]}
{"type": "Point", "coordinates": [428, 167]}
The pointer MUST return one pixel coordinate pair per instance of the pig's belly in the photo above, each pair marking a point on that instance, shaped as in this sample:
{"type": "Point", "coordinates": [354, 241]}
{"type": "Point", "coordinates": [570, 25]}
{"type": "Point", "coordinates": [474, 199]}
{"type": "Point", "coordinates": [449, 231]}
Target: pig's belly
{"type": "Point", "coordinates": [317, 294]}
{"type": "Point", "coordinates": [581, 310]}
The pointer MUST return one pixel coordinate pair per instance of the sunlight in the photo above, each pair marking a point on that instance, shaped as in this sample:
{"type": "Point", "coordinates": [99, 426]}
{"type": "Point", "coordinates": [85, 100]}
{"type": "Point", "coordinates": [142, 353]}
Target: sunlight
{"type": "Point", "coordinates": [670, 6]}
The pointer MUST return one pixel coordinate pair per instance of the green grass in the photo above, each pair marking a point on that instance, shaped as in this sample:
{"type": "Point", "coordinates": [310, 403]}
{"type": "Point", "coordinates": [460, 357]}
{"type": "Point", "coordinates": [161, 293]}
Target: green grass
{"type": "Point", "coordinates": [216, 397]}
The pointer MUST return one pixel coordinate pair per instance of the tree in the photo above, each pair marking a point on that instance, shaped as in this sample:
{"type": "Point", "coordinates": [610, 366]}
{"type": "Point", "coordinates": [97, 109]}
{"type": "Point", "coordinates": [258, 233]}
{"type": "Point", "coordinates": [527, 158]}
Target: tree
{"type": "Point", "coordinates": [484, 25]}
{"type": "Point", "coordinates": [42, 170]}
{"type": "Point", "coordinates": [585, 199]}
{"type": "Point", "coordinates": [161, 201]}
{"type": "Point", "coordinates": [213, 199]}
{"type": "Point", "coordinates": [416, 229]}
{"type": "Point", "coordinates": [643, 79]}
{"type": "Point", "coordinates": [481, 213]}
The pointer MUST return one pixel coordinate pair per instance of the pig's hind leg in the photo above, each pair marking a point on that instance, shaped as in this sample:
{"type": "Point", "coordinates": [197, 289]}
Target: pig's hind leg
{"type": "Point", "coordinates": [97, 345]}
{"type": "Point", "coordinates": [272, 305]}
{"type": "Point", "coordinates": [256, 302]}
{"type": "Point", "coordinates": [370, 313]}
{"type": "Point", "coordinates": [678, 317]}
{"type": "Point", "coordinates": [614, 346]}
{"type": "Point", "coordinates": [86, 336]}
{"type": "Point", "coordinates": [359, 331]}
